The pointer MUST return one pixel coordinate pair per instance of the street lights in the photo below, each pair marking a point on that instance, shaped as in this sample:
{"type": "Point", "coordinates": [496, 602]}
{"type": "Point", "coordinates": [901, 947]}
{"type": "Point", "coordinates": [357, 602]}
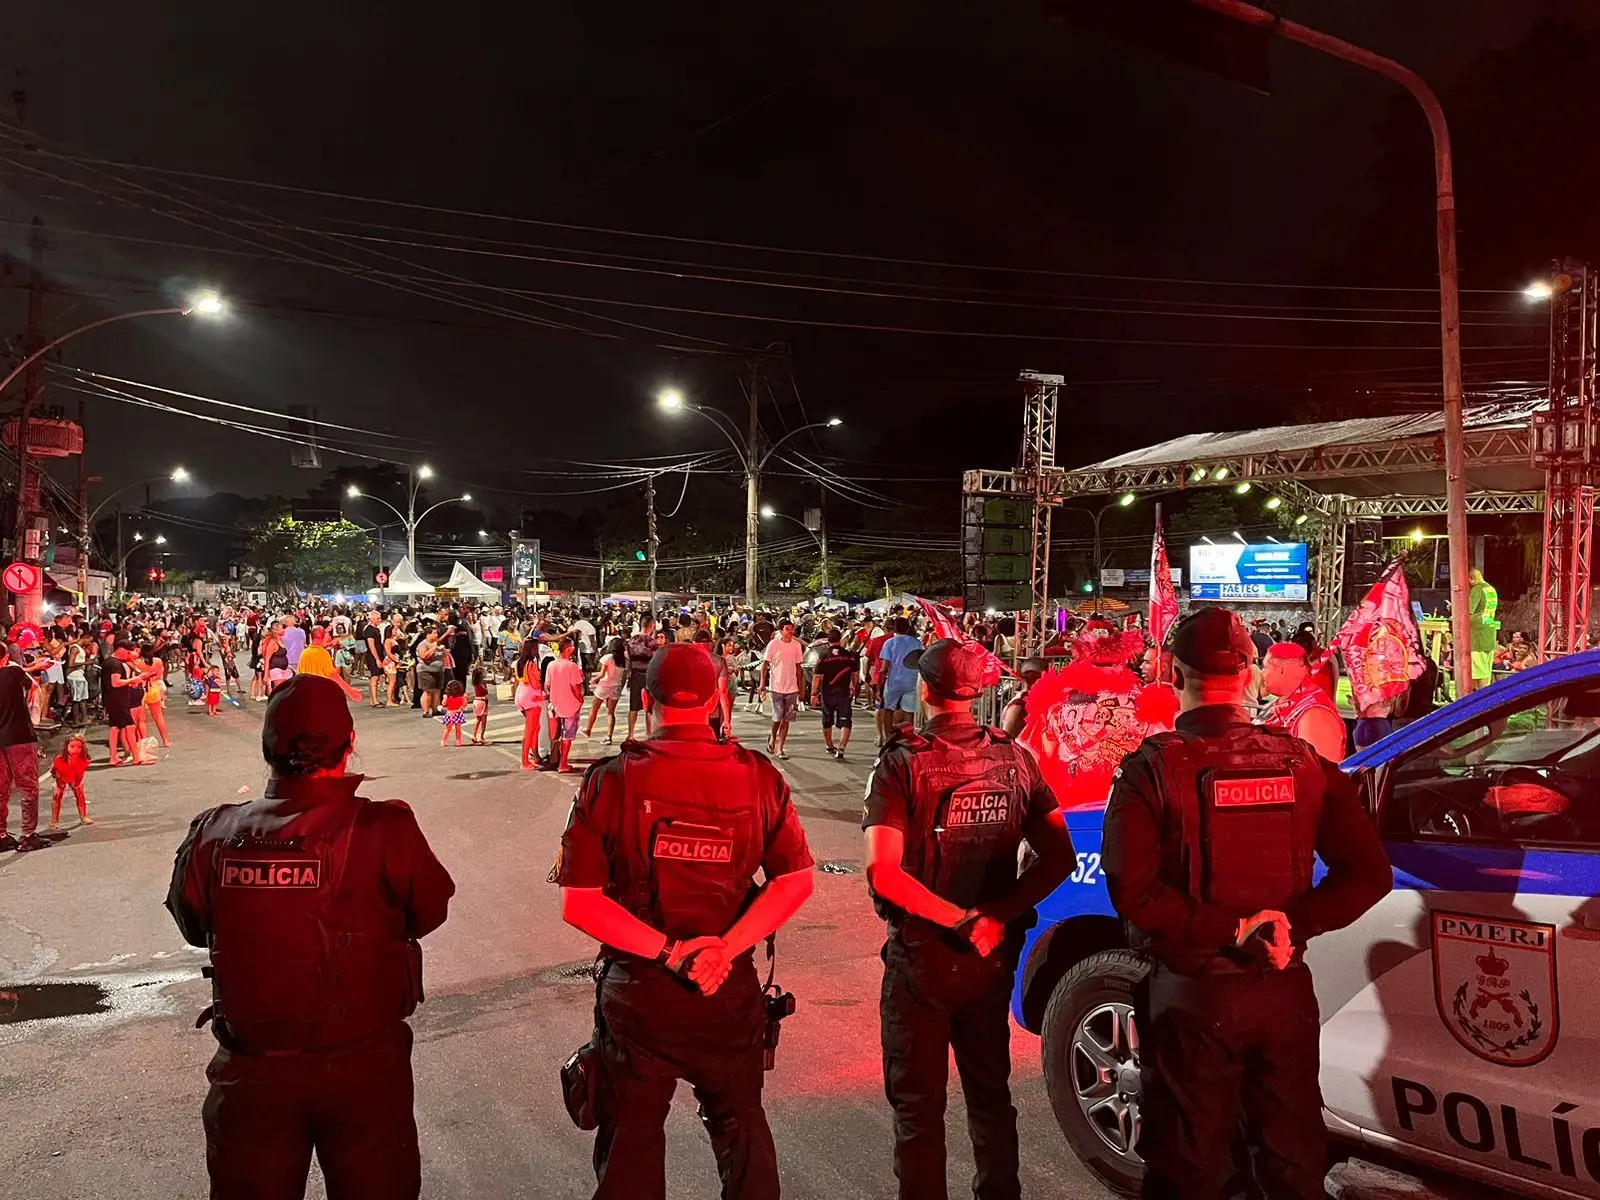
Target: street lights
{"type": "Point", "coordinates": [819, 537]}
{"type": "Point", "coordinates": [139, 543]}
{"type": "Point", "coordinates": [86, 529]}
{"type": "Point", "coordinates": [30, 606]}
{"type": "Point", "coordinates": [409, 519]}
{"type": "Point", "coordinates": [1125, 500]}
{"type": "Point", "coordinates": [1455, 451]}
{"type": "Point", "coordinates": [751, 459]}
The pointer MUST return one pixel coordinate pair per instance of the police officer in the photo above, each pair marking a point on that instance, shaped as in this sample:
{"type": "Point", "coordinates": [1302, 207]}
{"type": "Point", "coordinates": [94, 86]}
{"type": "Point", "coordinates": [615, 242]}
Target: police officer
{"type": "Point", "coordinates": [946, 812]}
{"type": "Point", "coordinates": [1209, 841]}
{"type": "Point", "coordinates": [311, 901]}
{"type": "Point", "coordinates": [657, 864]}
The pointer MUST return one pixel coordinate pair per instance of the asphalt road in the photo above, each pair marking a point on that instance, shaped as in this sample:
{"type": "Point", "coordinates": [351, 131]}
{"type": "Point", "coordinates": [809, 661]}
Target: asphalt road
{"type": "Point", "coordinates": [108, 1104]}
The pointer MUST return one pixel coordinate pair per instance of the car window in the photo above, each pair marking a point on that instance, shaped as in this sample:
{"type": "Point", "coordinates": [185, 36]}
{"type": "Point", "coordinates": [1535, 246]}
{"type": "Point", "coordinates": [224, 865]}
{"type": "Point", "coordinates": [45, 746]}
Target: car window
{"type": "Point", "coordinates": [1528, 775]}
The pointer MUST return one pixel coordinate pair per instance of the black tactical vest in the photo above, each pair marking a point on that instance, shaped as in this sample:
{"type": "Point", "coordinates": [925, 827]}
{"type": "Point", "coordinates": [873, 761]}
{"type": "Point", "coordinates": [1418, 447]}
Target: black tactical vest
{"type": "Point", "coordinates": [307, 949]}
{"type": "Point", "coordinates": [692, 834]}
{"type": "Point", "coordinates": [968, 807]}
{"type": "Point", "coordinates": [1245, 803]}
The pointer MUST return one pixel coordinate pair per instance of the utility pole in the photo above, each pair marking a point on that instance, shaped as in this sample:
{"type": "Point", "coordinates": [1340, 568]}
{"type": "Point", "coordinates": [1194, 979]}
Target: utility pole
{"type": "Point", "coordinates": [650, 533]}
{"type": "Point", "coordinates": [30, 605]}
{"type": "Point", "coordinates": [752, 486]}
{"type": "Point", "coordinates": [84, 532]}
{"type": "Point", "coordinates": [1455, 454]}
{"type": "Point", "coordinates": [822, 532]}
{"type": "Point", "coordinates": [122, 587]}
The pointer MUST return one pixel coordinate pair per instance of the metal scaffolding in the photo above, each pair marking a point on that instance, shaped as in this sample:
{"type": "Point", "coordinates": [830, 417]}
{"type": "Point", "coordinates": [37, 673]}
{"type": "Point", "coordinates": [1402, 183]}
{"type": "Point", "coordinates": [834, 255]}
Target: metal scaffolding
{"type": "Point", "coordinates": [1036, 480]}
{"type": "Point", "coordinates": [1563, 447]}
{"type": "Point", "coordinates": [1334, 473]}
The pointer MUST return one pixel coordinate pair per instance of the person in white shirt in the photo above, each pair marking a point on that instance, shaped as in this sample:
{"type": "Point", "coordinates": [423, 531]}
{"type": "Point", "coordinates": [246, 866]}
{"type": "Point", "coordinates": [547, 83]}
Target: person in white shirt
{"type": "Point", "coordinates": [780, 673]}
{"type": "Point", "coordinates": [584, 630]}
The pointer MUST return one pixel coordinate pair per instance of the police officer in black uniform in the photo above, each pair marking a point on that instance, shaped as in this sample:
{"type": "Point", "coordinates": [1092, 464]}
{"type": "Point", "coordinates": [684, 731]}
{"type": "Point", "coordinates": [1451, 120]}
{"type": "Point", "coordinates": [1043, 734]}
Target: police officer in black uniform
{"type": "Point", "coordinates": [311, 901]}
{"type": "Point", "coordinates": [946, 812]}
{"type": "Point", "coordinates": [1209, 844]}
{"type": "Point", "coordinates": [658, 864]}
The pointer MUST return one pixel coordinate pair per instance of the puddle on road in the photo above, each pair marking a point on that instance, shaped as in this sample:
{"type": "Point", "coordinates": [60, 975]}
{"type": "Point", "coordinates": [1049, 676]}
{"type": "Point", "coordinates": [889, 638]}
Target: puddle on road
{"type": "Point", "coordinates": [48, 1001]}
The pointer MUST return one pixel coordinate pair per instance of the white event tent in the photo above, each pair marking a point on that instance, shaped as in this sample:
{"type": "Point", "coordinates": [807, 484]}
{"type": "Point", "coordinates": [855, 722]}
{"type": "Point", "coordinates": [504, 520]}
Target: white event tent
{"type": "Point", "coordinates": [465, 583]}
{"type": "Point", "coordinates": [404, 581]}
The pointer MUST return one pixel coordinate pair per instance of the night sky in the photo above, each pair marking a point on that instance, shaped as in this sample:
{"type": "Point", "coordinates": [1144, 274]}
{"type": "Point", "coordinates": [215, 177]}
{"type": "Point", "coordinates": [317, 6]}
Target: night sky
{"type": "Point", "coordinates": [932, 133]}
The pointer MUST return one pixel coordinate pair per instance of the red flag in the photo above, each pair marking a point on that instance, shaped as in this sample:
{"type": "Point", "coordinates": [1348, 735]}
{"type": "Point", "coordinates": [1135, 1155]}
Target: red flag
{"type": "Point", "coordinates": [945, 625]}
{"type": "Point", "coordinates": [1381, 645]}
{"type": "Point", "coordinates": [1163, 599]}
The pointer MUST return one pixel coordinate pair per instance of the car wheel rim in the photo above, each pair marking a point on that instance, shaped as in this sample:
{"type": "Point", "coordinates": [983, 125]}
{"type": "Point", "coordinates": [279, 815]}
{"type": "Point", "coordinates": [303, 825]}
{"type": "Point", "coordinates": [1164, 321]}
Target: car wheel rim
{"type": "Point", "coordinates": [1105, 1076]}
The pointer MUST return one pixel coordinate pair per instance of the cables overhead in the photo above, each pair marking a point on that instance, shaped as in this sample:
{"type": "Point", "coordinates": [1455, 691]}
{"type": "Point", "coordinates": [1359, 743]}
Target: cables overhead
{"type": "Point", "coordinates": [604, 231]}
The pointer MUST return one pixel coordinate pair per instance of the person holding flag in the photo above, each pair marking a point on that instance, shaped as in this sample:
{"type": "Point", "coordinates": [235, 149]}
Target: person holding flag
{"type": "Point", "coordinates": [1163, 596]}
{"type": "Point", "coordinates": [1382, 653]}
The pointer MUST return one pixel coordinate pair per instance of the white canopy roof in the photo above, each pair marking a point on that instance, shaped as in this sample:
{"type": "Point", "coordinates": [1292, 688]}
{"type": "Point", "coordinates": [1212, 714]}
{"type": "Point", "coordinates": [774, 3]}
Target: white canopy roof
{"type": "Point", "coordinates": [468, 584]}
{"type": "Point", "coordinates": [404, 581]}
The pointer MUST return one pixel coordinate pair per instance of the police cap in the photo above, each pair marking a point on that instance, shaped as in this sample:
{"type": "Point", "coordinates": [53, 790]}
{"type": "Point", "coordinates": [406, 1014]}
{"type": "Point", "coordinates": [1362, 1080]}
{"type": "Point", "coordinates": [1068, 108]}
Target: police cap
{"type": "Point", "coordinates": [952, 670]}
{"type": "Point", "coordinates": [1213, 641]}
{"type": "Point", "coordinates": [307, 717]}
{"type": "Point", "coordinates": [681, 675]}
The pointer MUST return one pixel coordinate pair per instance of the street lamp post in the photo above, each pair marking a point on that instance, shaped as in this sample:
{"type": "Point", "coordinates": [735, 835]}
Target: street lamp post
{"type": "Point", "coordinates": [30, 606]}
{"type": "Point", "coordinates": [750, 458]}
{"type": "Point", "coordinates": [822, 541]}
{"type": "Point", "coordinates": [139, 543]}
{"type": "Point", "coordinates": [415, 477]}
{"type": "Point", "coordinates": [1122, 501]}
{"type": "Point", "coordinates": [86, 532]}
{"type": "Point", "coordinates": [1455, 455]}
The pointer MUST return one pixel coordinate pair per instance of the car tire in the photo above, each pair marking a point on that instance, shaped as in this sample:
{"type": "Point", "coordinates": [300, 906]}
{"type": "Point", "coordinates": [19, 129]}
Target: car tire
{"type": "Point", "coordinates": [1089, 1045]}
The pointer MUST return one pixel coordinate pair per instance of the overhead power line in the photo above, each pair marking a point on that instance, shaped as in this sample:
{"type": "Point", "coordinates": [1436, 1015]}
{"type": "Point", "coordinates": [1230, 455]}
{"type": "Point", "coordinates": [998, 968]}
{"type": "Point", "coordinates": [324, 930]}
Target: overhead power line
{"type": "Point", "coordinates": [595, 230]}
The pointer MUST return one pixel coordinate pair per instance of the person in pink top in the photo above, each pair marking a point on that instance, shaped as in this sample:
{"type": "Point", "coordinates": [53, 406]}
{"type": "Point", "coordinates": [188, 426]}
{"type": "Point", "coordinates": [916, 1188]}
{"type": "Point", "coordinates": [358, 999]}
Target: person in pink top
{"type": "Point", "coordinates": [564, 698]}
{"type": "Point", "coordinates": [530, 700]}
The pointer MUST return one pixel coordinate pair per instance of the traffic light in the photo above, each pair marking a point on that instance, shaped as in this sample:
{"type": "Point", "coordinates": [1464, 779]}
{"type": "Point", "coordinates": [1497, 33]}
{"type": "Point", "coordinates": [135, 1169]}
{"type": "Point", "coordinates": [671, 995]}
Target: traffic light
{"type": "Point", "coordinates": [642, 552]}
{"type": "Point", "coordinates": [153, 573]}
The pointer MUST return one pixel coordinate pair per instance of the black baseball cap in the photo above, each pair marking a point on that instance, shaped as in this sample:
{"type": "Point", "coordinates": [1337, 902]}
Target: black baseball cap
{"type": "Point", "coordinates": [681, 675]}
{"type": "Point", "coordinates": [306, 713]}
{"type": "Point", "coordinates": [1213, 641]}
{"type": "Point", "coordinates": [952, 670]}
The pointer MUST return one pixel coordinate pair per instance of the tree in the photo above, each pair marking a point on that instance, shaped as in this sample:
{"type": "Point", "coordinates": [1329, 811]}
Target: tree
{"type": "Point", "coordinates": [316, 556]}
{"type": "Point", "coordinates": [861, 574]}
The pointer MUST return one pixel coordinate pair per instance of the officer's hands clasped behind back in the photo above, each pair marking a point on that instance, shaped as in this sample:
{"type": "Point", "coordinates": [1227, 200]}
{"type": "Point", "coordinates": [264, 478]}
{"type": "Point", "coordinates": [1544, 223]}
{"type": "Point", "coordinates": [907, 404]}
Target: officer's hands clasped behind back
{"type": "Point", "coordinates": [1266, 936]}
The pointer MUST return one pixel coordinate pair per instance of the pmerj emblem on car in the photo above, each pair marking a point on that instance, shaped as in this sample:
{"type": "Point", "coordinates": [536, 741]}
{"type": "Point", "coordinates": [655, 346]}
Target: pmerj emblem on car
{"type": "Point", "coordinates": [1494, 981]}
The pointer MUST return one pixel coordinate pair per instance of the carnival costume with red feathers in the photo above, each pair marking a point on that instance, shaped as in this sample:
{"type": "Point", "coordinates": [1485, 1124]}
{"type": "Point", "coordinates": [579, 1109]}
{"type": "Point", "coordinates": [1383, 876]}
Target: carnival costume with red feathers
{"type": "Point", "coordinates": [1084, 719]}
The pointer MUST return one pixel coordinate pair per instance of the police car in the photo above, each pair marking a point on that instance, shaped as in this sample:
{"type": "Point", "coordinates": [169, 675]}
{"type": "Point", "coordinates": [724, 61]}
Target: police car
{"type": "Point", "coordinates": [1460, 1016]}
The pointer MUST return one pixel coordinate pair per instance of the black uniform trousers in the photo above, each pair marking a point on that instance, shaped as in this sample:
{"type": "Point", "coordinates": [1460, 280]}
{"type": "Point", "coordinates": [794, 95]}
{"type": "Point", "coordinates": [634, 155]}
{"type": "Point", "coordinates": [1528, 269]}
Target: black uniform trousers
{"type": "Point", "coordinates": [656, 1029]}
{"type": "Point", "coordinates": [352, 1105]}
{"type": "Point", "coordinates": [936, 998]}
{"type": "Point", "coordinates": [1227, 1055]}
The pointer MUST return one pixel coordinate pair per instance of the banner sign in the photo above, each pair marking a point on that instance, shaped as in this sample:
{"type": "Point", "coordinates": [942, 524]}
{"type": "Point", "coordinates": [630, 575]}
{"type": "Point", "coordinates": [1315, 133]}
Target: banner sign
{"type": "Point", "coordinates": [1272, 571]}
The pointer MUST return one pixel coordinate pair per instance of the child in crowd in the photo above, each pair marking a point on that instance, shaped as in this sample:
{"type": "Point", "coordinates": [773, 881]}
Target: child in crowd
{"type": "Point", "coordinates": [69, 770]}
{"type": "Point", "coordinates": [480, 706]}
{"type": "Point", "coordinates": [212, 682]}
{"type": "Point", "coordinates": [155, 706]}
{"type": "Point", "coordinates": [455, 711]}
{"type": "Point", "coordinates": [230, 672]}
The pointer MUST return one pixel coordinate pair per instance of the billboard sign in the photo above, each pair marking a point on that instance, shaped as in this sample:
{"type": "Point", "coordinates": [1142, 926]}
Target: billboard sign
{"type": "Point", "coordinates": [1127, 577]}
{"type": "Point", "coordinates": [1272, 571]}
{"type": "Point", "coordinates": [525, 562]}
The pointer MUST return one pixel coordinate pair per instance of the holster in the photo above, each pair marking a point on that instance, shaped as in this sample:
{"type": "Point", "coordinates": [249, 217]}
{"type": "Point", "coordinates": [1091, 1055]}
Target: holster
{"type": "Point", "coordinates": [580, 1074]}
{"type": "Point", "coordinates": [414, 992]}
